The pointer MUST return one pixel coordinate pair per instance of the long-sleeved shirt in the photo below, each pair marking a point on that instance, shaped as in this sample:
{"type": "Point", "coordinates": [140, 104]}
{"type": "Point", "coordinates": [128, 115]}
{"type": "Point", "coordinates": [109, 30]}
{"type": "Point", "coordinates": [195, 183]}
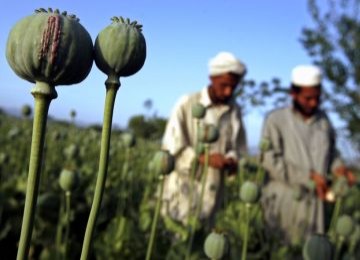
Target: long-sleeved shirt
{"type": "Point", "coordinates": [181, 130]}
{"type": "Point", "coordinates": [180, 140]}
{"type": "Point", "coordinates": [298, 146]}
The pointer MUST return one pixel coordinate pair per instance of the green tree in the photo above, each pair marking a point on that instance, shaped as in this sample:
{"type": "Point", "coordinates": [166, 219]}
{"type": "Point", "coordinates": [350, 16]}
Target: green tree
{"type": "Point", "coordinates": [334, 44]}
{"type": "Point", "coordinates": [148, 128]}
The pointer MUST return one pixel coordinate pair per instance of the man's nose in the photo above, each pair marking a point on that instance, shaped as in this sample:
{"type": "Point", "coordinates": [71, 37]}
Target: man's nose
{"type": "Point", "coordinates": [314, 103]}
{"type": "Point", "coordinates": [228, 91]}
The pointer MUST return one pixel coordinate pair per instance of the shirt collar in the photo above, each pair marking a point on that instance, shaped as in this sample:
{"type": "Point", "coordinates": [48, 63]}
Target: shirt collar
{"type": "Point", "coordinates": [309, 120]}
{"type": "Point", "coordinates": [205, 98]}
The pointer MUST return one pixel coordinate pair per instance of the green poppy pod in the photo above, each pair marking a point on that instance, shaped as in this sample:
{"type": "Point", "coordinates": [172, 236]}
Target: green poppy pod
{"type": "Point", "coordinates": [68, 180]}
{"type": "Point", "coordinates": [216, 245]}
{"type": "Point", "coordinates": [26, 111]}
{"type": "Point", "coordinates": [341, 187]}
{"type": "Point", "coordinates": [265, 145]}
{"type": "Point", "coordinates": [50, 47]}
{"type": "Point", "coordinates": [249, 192]}
{"type": "Point", "coordinates": [208, 133]}
{"type": "Point", "coordinates": [198, 111]}
{"type": "Point", "coordinates": [56, 135]}
{"type": "Point", "coordinates": [163, 162]}
{"type": "Point", "coordinates": [128, 139]}
{"type": "Point", "coordinates": [71, 151]}
{"type": "Point", "coordinates": [48, 205]}
{"type": "Point", "coordinates": [120, 49]}
{"type": "Point", "coordinates": [317, 247]}
{"type": "Point", "coordinates": [344, 226]}
{"type": "Point", "coordinates": [72, 114]}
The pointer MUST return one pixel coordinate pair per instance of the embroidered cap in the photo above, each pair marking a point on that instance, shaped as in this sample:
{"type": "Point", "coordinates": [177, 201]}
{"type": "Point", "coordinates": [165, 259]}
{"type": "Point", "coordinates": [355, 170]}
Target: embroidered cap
{"type": "Point", "coordinates": [225, 62]}
{"type": "Point", "coordinates": [306, 76]}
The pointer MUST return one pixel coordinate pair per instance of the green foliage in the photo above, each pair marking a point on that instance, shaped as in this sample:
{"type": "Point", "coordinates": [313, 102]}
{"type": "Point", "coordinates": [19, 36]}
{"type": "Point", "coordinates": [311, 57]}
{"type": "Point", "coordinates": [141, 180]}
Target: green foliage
{"type": "Point", "coordinates": [334, 44]}
{"type": "Point", "coordinates": [124, 222]}
{"type": "Point", "coordinates": [252, 94]}
{"type": "Point", "coordinates": [147, 128]}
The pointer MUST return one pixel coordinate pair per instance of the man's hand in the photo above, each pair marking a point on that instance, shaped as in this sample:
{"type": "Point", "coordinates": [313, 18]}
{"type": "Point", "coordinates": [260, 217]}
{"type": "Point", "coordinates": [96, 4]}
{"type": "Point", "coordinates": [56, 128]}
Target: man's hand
{"type": "Point", "coordinates": [231, 165]}
{"type": "Point", "coordinates": [218, 161]}
{"type": "Point", "coordinates": [320, 182]}
{"type": "Point", "coordinates": [343, 171]}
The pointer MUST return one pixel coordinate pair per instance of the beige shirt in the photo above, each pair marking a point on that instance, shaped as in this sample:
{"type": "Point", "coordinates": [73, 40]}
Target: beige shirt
{"type": "Point", "coordinates": [181, 130]}
{"type": "Point", "coordinates": [297, 147]}
{"type": "Point", "coordinates": [180, 140]}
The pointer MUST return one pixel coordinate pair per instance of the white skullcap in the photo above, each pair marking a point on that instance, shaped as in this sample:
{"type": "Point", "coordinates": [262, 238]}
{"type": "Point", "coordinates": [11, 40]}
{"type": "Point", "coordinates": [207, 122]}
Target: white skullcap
{"type": "Point", "coordinates": [225, 62]}
{"type": "Point", "coordinates": [306, 76]}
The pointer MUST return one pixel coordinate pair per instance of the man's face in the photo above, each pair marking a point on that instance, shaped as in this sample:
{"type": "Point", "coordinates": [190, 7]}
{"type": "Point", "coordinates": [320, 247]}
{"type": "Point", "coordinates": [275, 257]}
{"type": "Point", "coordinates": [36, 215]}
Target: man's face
{"type": "Point", "coordinates": [222, 87]}
{"type": "Point", "coordinates": [307, 100]}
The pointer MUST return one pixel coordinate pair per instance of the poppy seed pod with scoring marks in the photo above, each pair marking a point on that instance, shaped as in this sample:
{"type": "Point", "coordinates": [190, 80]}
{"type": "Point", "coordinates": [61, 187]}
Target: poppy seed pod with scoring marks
{"type": "Point", "coordinates": [216, 245]}
{"type": "Point", "coordinates": [317, 247]}
{"type": "Point", "coordinates": [163, 162]}
{"type": "Point", "coordinates": [50, 47]}
{"type": "Point", "coordinates": [208, 133]}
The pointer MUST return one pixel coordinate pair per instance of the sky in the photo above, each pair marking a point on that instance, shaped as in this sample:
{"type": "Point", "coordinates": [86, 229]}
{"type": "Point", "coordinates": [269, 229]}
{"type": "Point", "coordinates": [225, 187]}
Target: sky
{"type": "Point", "coordinates": [181, 37]}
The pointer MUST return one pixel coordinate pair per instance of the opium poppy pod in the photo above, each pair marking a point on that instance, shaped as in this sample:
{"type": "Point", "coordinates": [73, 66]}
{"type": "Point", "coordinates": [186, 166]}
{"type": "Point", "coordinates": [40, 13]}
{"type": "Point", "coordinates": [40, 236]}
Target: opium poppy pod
{"type": "Point", "coordinates": [69, 180]}
{"type": "Point", "coordinates": [208, 133]}
{"type": "Point", "coordinates": [216, 245]}
{"type": "Point", "coordinates": [120, 48]}
{"type": "Point", "coordinates": [249, 192]}
{"type": "Point", "coordinates": [198, 111]}
{"type": "Point", "coordinates": [345, 226]}
{"type": "Point", "coordinates": [50, 47]}
{"type": "Point", "coordinates": [317, 247]}
{"type": "Point", "coordinates": [163, 162]}
{"type": "Point", "coordinates": [26, 110]}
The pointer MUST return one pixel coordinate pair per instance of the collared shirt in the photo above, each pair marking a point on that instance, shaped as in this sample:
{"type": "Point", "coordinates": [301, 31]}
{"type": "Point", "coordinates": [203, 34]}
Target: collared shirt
{"type": "Point", "coordinates": [299, 146]}
{"type": "Point", "coordinates": [181, 130]}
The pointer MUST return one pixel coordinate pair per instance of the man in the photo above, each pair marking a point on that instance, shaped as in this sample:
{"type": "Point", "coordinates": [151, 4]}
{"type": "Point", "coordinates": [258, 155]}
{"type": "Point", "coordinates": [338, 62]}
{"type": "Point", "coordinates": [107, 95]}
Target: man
{"type": "Point", "coordinates": [226, 72]}
{"type": "Point", "coordinates": [302, 151]}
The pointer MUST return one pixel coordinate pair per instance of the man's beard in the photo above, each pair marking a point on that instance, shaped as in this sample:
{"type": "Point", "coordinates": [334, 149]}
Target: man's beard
{"type": "Point", "coordinates": [306, 112]}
